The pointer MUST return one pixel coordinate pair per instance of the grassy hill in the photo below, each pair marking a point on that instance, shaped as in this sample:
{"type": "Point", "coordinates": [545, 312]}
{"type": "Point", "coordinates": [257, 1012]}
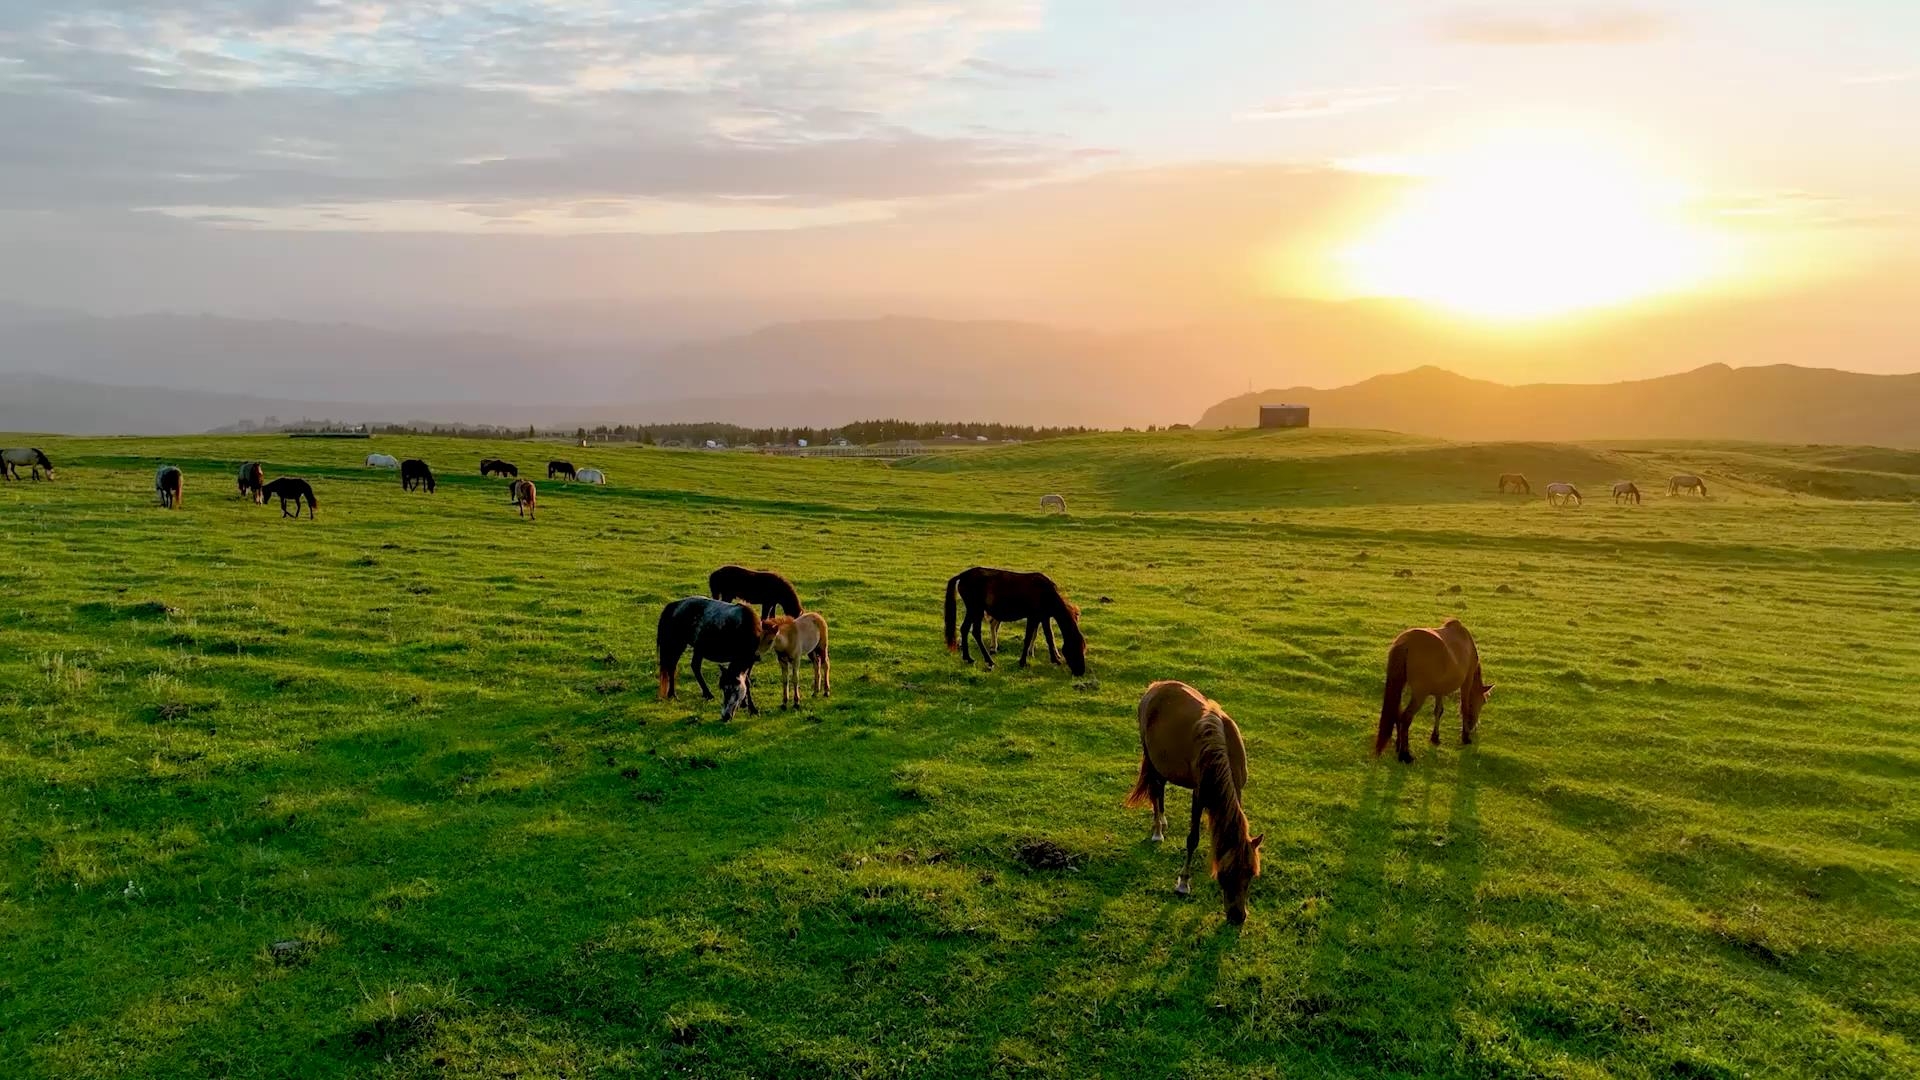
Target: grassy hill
{"type": "Point", "coordinates": [389, 794]}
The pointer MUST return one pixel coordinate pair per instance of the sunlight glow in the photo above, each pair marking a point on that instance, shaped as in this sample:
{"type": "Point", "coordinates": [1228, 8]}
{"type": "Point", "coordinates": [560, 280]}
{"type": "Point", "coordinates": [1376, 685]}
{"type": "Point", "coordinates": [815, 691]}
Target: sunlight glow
{"type": "Point", "coordinates": [1534, 223]}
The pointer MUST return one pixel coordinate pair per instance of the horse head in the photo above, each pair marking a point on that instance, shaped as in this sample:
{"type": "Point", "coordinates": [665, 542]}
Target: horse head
{"type": "Point", "coordinates": [1235, 870]}
{"type": "Point", "coordinates": [733, 689]}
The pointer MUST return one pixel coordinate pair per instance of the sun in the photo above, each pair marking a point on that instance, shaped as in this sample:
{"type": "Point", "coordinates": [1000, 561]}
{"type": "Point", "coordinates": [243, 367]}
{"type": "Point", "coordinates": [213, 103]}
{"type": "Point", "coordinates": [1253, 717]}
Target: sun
{"type": "Point", "coordinates": [1530, 224]}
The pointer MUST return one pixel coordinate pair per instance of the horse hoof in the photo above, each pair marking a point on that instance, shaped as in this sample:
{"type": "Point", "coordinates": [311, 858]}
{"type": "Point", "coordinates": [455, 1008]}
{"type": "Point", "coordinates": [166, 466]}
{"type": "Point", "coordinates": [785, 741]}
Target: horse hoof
{"type": "Point", "coordinates": [1157, 838]}
{"type": "Point", "coordinates": [1406, 759]}
{"type": "Point", "coordinates": [1182, 888]}
{"type": "Point", "coordinates": [1434, 738]}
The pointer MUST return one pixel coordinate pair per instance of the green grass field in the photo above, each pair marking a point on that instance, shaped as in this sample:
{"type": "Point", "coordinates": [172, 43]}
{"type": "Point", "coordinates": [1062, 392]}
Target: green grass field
{"type": "Point", "coordinates": [419, 739]}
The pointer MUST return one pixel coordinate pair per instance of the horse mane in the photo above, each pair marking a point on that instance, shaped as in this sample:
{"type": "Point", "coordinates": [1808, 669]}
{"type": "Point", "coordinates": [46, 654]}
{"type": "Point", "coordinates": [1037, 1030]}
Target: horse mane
{"type": "Point", "coordinates": [1214, 790]}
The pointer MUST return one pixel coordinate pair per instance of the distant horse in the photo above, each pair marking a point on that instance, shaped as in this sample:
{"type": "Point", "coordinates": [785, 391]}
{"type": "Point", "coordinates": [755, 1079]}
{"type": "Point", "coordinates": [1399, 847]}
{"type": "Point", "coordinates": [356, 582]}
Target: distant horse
{"type": "Point", "coordinates": [522, 495]}
{"type": "Point", "coordinates": [762, 587]}
{"type": "Point", "coordinates": [382, 461]}
{"type": "Point", "coordinates": [1009, 596]}
{"type": "Point", "coordinates": [290, 488]}
{"type": "Point", "coordinates": [169, 485]}
{"type": "Point", "coordinates": [30, 456]}
{"type": "Point", "coordinates": [496, 467]}
{"type": "Point", "coordinates": [1686, 483]}
{"type": "Point", "coordinates": [790, 638]}
{"type": "Point", "coordinates": [1187, 740]}
{"type": "Point", "coordinates": [414, 473]}
{"type": "Point", "coordinates": [1053, 502]}
{"type": "Point", "coordinates": [717, 630]}
{"type": "Point", "coordinates": [591, 476]}
{"type": "Point", "coordinates": [1430, 663]}
{"type": "Point", "coordinates": [1513, 481]}
{"type": "Point", "coordinates": [561, 468]}
{"type": "Point", "coordinates": [252, 478]}
{"type": "Point", "coordinates": [1626, 490]}
{"type": "Point", "coordinates": [1562, 494]}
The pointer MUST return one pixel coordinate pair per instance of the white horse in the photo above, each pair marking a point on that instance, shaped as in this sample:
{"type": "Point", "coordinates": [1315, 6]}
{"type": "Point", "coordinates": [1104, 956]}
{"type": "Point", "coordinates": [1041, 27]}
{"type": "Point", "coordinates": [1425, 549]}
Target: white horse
{"type": "Point", "coordinates": [170, 486]}
{"type": "Point", "coordinates": [1562, 495]}
{"type": "Point", "coordinates": [30, 456]}
{"type": "Point", "coordinates": [1053, 502]}
{"type": "Point", "coordinates": [382, 461]}
{"type": "Point", "coordinates": [590, 476]}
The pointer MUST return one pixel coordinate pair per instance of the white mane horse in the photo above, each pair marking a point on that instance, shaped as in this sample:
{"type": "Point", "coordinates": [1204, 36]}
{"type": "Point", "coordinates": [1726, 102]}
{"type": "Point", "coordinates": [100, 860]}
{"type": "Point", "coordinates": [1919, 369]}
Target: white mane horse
{"type": "Point", "coordinates": [30, 456]}
{"type": "Point", "coordinates": [382, 461]}
{"type": "Point", "coordinates": [1053, 502]}
{"type": "Point", "coordinates": [590, 476]}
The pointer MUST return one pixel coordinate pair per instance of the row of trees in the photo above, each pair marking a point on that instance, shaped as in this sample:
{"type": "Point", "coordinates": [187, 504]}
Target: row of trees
{"type": "Point", "coordinates": [860, 433]}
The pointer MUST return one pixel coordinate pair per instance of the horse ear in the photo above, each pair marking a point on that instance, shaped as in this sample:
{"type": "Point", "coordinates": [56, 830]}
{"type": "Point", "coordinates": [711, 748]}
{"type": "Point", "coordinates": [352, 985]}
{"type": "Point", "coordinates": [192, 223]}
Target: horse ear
{"type": "Point", "coordinates": [1486, 692]}
{"type": "Point", "coordinates": [1255, 842]}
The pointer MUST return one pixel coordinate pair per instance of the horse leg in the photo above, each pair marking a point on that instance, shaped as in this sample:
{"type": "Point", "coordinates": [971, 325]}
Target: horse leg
{"type": "Point", "coordinates": [1026, 646]}
{"type": "Point", "coordinates": [1439, 708]}
{"type": "Point", "coordinates": [789, 673]}
{"type": "Point", "coordinates": [699, 676]}
{"type": "Point", "coordinates": [1053, 652]}
{"type": "Point", "coordinates": [984, 654]}
{"type": "Point", "coordinates": [1184, 886]}
{"type": "Point", "coordinates": [1404, 727]}
{"type": "Point", "coordinates": [1158, 790]}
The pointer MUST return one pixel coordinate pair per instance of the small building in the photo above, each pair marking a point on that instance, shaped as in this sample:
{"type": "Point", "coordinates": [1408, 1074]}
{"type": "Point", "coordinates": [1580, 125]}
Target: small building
{"type": "Point", "coordinates": [1278, 416]}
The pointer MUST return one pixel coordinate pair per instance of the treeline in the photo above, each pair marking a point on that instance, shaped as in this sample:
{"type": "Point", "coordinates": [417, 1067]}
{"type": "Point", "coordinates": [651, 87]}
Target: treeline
{"type": "Point", "coordinates": [859, 433]}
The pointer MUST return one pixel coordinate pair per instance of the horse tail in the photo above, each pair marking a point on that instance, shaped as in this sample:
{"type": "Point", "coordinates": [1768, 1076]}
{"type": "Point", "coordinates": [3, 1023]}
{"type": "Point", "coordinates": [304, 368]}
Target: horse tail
{"type": "Point", "coordinates": [666, 646]}
{"type": "Point", "coordinates": [1142, 793]}
{"type": "Point", "coordinates": [953, 595]}
{"type": "Point", "coordinates": [1390, 697]}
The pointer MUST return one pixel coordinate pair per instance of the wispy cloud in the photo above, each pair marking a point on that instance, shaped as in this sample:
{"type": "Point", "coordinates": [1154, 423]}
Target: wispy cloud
{"type": "Point", "coordinates": [1307, 105]}
{"type": "Point", "coordinates": [1530, 25]}
{"type": "Point", "coordinates": [1882, 78]}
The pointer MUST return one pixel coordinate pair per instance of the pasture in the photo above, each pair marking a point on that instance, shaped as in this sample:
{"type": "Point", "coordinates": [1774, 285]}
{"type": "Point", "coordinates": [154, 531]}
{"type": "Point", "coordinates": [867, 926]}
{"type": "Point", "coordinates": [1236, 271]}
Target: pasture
{"type": "Point", "coordinates": [388, 793]}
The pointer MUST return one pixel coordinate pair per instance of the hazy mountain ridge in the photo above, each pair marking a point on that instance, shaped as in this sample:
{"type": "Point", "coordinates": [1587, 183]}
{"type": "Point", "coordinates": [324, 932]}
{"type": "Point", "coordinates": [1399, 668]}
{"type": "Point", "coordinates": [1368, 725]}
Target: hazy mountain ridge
{"type": "Point", "coordinates": [1773, 403]}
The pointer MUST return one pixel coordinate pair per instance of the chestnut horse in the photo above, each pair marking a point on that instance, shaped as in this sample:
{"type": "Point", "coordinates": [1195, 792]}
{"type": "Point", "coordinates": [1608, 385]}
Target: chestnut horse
{"type": "Point", "coordinates": [1009, 596]}
{"type": "Point", "coordinates": [252, 478]}
{"type": "Point", "coordinates": [791, 638]}
{"type": "Point", "coordinates": [1427, 662]}
{"type": "Point", "coordinates": [522, 495]}
{"type": "Point", "coordinates": [1517, 483]}
{"type": "Point", "coordinates": [170, 486]}
{"type": "Point", "coordinates": [762, 587]}
{"type": "Point", "coordinates": [1188, 740]}
{"type": "Point", "coordinates": [721, 631]}
{"type": "Point", "coordinates": [290, 488]}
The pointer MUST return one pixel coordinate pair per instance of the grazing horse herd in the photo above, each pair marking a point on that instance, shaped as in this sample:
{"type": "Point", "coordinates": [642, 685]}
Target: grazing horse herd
{"type": "Point", "coordinates": [1186, 739]}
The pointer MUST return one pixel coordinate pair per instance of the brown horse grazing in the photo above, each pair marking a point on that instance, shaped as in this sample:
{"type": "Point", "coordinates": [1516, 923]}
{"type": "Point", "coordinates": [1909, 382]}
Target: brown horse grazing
{"type": "Point", "coordinates": [1186, 739]}
{"type": "Point", "coordinates": [790, 638]}
{"type": "Point", "coordinates": [560, 468]}
{"type": "Point", "coordinates": [762, 587]}
{"type": "Point", "coordinates": [290, 488]}
{"type": "Point", "coordinates": [1009, 596]}
{"type": "Point", "coordinates": [170, 486]}
{"type": "Point", "coordinates": [724, 632]}
{"type": "Point", "coordinates": [522, 495]}
{"type": "Point", "coordinates": [1685, 483]}
{"type": "Point", "coordinates": [1625, 489]}
{"type": "Point", "coordinates": [1515, 482]}
{"type": "Point", "coordinates": [496, 467]}
{"type": "Point", "coordinates": [252, 479]}
{"type": "Point", "coordinates": [1430, 663]}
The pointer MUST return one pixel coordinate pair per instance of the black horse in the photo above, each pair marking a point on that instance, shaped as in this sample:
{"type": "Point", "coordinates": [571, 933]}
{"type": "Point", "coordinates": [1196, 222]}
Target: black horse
{"type": "Point", "coordinates": [496, 467]}
{"type": "Point", "coordinates": [763, 587]}
{"type": "Point", "coordinates": [726, 633]}
{"type": "Point", "coordinates": [560, 468]}
{"type": "Point", "coordinates": [1010, 596]}
{"type": "Point", "coordinates": [415, 474]}
{"type": "Point", "coordinates": [290, 488]}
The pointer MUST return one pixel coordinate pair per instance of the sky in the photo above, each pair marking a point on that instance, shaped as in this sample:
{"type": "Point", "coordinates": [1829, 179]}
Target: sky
{"type": "Point", "coordinates": [1099, 163]}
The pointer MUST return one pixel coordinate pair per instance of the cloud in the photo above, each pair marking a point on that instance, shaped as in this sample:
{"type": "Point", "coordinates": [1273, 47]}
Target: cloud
{"type": "Point", "coordinates": [1883, 78]}
{"type": "Point", "coordinates": [1794, 208]}
{"type": "Point", "coordinates": [1311, 104]}
{"type": "Point", "coordinates": [236, 107]}
{"type": "Point", "coordinates": [1596, 25]}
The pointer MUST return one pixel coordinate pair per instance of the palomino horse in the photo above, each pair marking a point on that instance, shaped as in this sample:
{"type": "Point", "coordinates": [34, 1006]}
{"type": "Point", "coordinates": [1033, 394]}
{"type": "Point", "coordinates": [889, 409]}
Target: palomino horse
{"type": "Point", "coordinates": [560, 468]}
{"type": "Point", "coordinates": [524, 498]}
{"type": "Point", "coordinates": [414, 474]}
{"type": "Point", "coordinates": [1513, 481]}
{"type": "Point", "coordinates": [30, 456]}
{"type": "Point", "coordinates": [1186, 739]}
{"type": "Point", "coordinates": [1053, 502]}
{"type": "Point", "coordinates": [496, 467]}
{"type": "Point", "coordinates": [290, 488]}
{"type": "Point", "coordinates": [762, 587]}
{"type": "Point", "coordinates": [251, 479]}
{"type": "Point", "coordinates": [382, 461]}
{"type": "Point", "coordinates": [1430, 663]}
{"type": "Point", "coordinates": [717, 630]}
{"type": "Point", "coordinates": [1562, 494]}
{"type": "Point", "coordinates": [1686, 483]}
{"type": "Point", "coordinates": [1626, 490]}
{"type": "Point", "coordinates": [1009, 596]}
{"type": "Point", "coordinates": [169, 485]}
{"type": "Point", "coordinates": [790, 638]}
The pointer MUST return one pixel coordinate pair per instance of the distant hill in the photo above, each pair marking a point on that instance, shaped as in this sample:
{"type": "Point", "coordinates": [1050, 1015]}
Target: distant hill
{"type": "Point", "coordinates": [1779, 403]}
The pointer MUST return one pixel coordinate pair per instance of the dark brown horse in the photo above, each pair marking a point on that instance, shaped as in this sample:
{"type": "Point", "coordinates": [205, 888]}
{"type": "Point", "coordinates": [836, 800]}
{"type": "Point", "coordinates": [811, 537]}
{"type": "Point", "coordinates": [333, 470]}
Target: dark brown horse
{"type": "Point", "coordinates": [717, 630]}
{"type": "Point", "coordinates": [252, 479]}
{"type": "Point", "coordinates": [496, 467]}
{"type": "Point", "coordinates": [1010, 596]}
{"type": "Point", "coordinates": [1432, 663]}
{"type": "Point", "coordinates": [1513, 481]}
{"type": "Point", "coordinates": [290, 488]}
{"type": "Point", "coordinates": [560, 468]}
{"type": "Point", "coordinates": [1187, 740]}
{"type": "Point", "coordinates": [414, 473]}
{"type": "Point", "coordinates": [170, 486]}
{"type": "Point", "coordinates": [762, 587]}
{"type": "Point", "coordinates": [1628, 491]}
